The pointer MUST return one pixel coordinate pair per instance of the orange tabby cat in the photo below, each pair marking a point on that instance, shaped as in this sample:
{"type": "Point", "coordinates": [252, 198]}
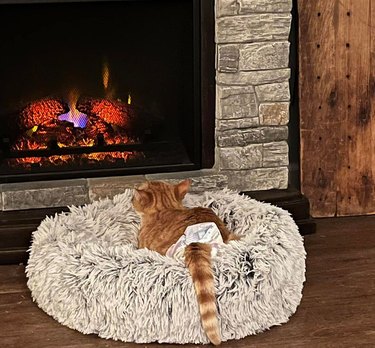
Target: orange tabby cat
{"type": "Point", "coordinates": [164, 220]}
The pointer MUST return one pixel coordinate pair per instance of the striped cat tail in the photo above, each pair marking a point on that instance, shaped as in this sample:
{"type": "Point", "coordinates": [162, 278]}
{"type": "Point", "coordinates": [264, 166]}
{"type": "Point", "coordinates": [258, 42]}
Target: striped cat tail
{"type": "Point", "coordinates": [198, 261]}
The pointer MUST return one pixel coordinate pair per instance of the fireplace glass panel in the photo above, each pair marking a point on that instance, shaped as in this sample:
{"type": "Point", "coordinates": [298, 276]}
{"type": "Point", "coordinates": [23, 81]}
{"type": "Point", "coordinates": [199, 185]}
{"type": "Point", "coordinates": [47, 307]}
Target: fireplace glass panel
{"type": "Point", "coordinates": [98, 86]}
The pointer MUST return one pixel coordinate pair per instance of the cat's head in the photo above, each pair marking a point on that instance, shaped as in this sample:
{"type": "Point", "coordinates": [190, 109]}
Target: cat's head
{"type": "Point", "coordinates": [154, 196]}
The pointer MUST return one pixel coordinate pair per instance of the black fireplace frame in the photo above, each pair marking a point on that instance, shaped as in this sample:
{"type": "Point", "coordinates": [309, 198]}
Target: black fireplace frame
{"type": "Point", "coordinates": [204, 107]}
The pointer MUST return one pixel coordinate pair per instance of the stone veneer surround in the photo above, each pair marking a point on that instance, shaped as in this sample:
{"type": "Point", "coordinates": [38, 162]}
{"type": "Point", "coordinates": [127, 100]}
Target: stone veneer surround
{"type": "Point", "coordinates": [252, 113]}
{"type": "Point", "coordinates": [252, 100]}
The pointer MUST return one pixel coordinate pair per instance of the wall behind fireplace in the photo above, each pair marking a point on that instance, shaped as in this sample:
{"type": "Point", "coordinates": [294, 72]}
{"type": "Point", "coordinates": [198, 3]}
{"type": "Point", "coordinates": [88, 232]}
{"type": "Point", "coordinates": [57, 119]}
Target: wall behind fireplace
{"type": "Point", "coordinates": [252, 101]}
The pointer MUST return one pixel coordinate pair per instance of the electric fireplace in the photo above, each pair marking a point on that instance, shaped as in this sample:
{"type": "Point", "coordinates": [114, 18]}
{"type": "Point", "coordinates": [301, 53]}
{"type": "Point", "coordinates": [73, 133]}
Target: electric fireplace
{"type": "Point", "coordinates": [91, 88]}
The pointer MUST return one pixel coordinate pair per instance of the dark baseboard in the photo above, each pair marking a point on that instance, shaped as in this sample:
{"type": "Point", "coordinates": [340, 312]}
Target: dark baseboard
{"type": "Point", "coordinates": [13, 256]}
{"type": "Point", "coordinates": [16, 227]}
{"type": "Point", "coordinates": [291, 200]}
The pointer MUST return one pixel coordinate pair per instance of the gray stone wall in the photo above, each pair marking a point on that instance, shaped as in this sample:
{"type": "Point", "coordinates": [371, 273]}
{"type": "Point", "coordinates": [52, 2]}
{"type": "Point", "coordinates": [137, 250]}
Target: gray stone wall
{"type": "Point", "coordinates": [252, 102]}
{"type": "Point", "coordinates": [60, 193]}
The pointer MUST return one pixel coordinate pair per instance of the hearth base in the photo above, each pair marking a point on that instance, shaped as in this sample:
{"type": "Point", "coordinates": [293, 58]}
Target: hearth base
{"type": "Point", "coordinates": [16, 227]}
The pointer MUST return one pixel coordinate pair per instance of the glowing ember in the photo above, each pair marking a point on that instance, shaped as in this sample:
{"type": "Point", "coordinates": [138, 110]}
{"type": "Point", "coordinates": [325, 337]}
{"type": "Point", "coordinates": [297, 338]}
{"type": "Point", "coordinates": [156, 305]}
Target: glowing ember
{"type": "Point", "coordinates": [24, 143]}
{"type": "Point", "coordinates": [31, 131]}
{"type": "Point", "coordinates": [26, 161]}
{"type": "Point", "coordinates": [112, 156]}
{"type": "Point", "coordinates": [118, 139]}
{"type": "Point", "coordinates": [88, 142]}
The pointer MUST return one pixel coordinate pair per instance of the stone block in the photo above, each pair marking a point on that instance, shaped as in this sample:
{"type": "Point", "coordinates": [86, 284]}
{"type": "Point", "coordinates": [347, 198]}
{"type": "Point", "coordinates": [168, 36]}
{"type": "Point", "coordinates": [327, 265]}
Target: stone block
{"type": "Point", "coordinates": [275, 133]}
{"type": "Point", "coordinates": [228, 58]}
{"type": "Point", "coordinates": [275, 154]}
{"type": "Point", "coordinates": [253, 6]}
{"type": "Point", "coordinates": [222, 125]}
{"type": "Point", "coordinates": [236, 102]}
{"type": "Point", "coordinates": [234, 7]}
{"type": "Point", "coordinates": [253, 27]}
{"type": "Point", "coordinates": [44, 194]}
{"type": "Point", "coordinates": [264, 55]}
{"type": "Point", "coordinates": [202, 180]}
{"type": "Point", "coordinates": [258, 179]}
{"type": "Point", "coordinates": [108, 187]}
{"type": "Point", "coordinates": [274, 114]}
{"type": "Point", "coordinates": [226, 8]}
{"type": "Point", "coordinates": [244, 78]}
{"type": "Point", "coordinates": [273, 92]}
{"type": "Point", "coordinates": [238, 137]}
{"type": "Point", "coordinates": [243, 137]}
{"type": "Point", "coordinates": [245, 157]}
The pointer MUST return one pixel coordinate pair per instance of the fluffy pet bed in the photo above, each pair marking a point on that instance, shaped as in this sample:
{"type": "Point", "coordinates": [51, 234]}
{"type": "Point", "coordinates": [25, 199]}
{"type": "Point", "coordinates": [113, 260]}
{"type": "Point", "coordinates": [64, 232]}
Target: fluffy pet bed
{"type": "Point", "coordinates": [85, 271]}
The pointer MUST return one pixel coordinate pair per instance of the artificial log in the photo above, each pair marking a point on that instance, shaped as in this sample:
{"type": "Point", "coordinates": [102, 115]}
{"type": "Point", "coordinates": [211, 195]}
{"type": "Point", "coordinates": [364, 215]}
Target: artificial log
{"type": "Point", "coordinates": [41, 112]}
{"type": "Point", "coordinates": [108, 120]}
{"type": "Point", "coordinates": [96, 126]}
{"type": "Point", "coordinates": [113, 112]}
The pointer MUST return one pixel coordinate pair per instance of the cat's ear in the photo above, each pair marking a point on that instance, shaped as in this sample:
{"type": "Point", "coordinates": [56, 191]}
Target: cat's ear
{"type": "Point", "coordinates": [142, 197]}
{"type": "Point", "coordinates": [182, 189]}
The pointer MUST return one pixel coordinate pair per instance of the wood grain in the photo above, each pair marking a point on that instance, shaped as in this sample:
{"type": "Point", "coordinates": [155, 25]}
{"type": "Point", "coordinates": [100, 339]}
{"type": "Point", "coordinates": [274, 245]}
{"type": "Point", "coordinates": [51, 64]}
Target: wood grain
{"type": "Point", "coordinates": [318, 90]}
{"type": "Point", "coordinates": [337, 99]}
{"type": "Point", "coordinates": [357, 168]}
{"type": "Point", "coordinates": [336, 309]}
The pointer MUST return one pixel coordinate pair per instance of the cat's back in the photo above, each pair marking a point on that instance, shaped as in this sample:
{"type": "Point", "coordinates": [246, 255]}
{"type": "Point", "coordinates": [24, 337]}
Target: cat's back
{"type": "Point", "coordinates": [175, 219]}
{"type": "Point", "coordinates": [163, 229]}
{"type": "Point", "coordinates": [201, 214]}
{"type": "Point", "coordinates": [186, 217]}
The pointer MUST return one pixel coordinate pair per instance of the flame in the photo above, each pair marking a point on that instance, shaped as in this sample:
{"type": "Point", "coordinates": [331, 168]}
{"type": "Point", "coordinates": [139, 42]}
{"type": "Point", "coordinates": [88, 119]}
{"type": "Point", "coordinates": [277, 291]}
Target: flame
{"type": "Point", "coordinates": [74, 116]}
{"type": "Point", "coordinates": [108, 89]}
{"type": "Point", "coordinates": [105, 76]}
{"type": "Point", "coordinates": [73, 98]}
{"type": "Point", "coordinates": [129, 99]}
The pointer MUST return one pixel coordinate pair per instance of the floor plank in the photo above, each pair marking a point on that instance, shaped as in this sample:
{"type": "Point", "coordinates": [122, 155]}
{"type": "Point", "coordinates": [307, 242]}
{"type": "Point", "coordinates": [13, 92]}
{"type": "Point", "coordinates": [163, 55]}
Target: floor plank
{"type": "Point", "coordinates": [336, 311]}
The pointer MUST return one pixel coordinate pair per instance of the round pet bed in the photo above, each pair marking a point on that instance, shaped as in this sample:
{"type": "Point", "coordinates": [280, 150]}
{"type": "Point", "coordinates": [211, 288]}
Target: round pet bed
{"type": "Point", "coordinates": [86, 271]}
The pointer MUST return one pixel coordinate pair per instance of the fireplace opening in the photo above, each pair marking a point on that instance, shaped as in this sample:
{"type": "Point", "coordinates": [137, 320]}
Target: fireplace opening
{"type": "Point", "coordinates": [105, 87]}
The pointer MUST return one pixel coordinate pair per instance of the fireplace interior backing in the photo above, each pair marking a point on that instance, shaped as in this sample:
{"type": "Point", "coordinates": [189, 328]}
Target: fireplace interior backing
{"type": "Point", "coordinates": [94, 88]}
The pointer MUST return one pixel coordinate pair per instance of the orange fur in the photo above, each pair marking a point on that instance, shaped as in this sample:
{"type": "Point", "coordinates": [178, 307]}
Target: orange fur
{"type": "Point", "coordinates": [164, 220]}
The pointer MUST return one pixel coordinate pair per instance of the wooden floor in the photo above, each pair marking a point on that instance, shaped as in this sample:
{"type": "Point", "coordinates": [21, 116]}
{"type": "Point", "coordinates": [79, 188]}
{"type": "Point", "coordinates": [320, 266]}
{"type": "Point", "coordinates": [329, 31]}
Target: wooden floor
{"type": "Point", "coordinates": [337, 310]}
